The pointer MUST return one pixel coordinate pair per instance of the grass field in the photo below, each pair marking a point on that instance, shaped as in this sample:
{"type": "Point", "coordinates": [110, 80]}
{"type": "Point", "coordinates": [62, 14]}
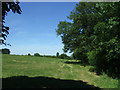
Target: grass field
{"type": "Point", "coordinates": [43, 72]}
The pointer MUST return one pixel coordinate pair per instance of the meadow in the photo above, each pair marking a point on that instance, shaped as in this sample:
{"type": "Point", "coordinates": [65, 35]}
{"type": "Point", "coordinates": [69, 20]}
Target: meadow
{"type": "Point", "coordinates": [44, 72]}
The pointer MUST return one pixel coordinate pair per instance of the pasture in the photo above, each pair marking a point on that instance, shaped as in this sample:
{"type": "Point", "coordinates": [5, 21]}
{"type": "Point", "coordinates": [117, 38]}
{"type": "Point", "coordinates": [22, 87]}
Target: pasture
{"type": "Point", "coordinates": [43, 72]}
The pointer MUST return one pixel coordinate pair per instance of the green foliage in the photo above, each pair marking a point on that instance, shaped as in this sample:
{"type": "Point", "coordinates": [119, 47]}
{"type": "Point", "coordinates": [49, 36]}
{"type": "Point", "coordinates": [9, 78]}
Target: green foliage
{"type": "Point", "coordinates": [92, 69]}
{"type": "Point", "coordinates": [64, 56]}
{"type": "Point", "coordinates": [80, 54]}
{"type": "Point", "coordinates": [57, 54]}
{"type": "Point", "coordinates": [106, 58]}
{"type": "Point", "coordinates": [29, 54]}
{"type": "Point", "coordinates": [48, 56]}
{"type": "Point", "coordinates": [94, 36]}
{"type": "Point", "coordinates": [7, 7]}
{"type": "Point", "coordinates": [92, 57]}
{"type": "Point", "coordinates": [5, 51]}
{"type": "Point", "coordinates": [36, 54]}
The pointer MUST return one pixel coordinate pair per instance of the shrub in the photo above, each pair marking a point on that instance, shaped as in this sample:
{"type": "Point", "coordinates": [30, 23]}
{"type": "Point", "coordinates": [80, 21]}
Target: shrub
{"type": "Point", "coordinates": [91, 57]}
{"type": "Point", "coordinates": [29, 54]}
{"type": "Point", "coordinates": [5, 51]}
{"type": "Point", "coordinates": [57, 54]}
{"type": "Point", "coordinates": [106, 58]}
{"type": "Point", "coordinates": [64, 56]}
{"type": "Point", "coordinates": [80, 54]}
{"type": "Point", "coordinates": [92, 69]}
{"type": "Point", "coordinates": [97, 59]}
{"type": "Point", "coordinates": [36, 54]}
{"type": "Point", "coordinates": [49, 56]}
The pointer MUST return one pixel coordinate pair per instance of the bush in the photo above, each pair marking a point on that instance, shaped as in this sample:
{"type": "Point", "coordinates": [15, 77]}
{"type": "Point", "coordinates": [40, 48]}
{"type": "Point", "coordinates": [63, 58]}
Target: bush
{"type": "Point", "coordinates": [64, 56]}
{"type": "Point", "coordinates": [91, 57]}
{"type": "Point", "coordinates": [113, 57]}
{"type": "Point", "coordinates": [92, 69]}
{"type": "Point", "coordinates": [29, 54]}
{"type": "Point", "coordinates": [57, 54]}
{"type": "Point", "coordinates": [80, 54]}
{"type": "Point", "coordinates": [106, 58]}
{"type": "Point", "coordinates": [36, 54]}
{"type": "Point", "coordinates": [5, 51]}
{"type": "Point", "coordinates": [49, 56]}
{"type": "Point", "coordinates": [97, 59]}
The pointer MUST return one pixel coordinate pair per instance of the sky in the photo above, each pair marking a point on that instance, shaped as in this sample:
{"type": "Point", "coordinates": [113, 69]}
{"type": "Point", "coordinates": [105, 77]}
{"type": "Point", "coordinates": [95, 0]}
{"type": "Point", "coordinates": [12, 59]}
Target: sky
{"type": "Point", "coordinates": [34, 31]}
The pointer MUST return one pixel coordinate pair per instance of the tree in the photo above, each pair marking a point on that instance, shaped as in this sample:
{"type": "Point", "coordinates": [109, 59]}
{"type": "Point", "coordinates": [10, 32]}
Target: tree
{"type": "Point", "coordinates": [76, 35]}
{"type": "Point", "coordinates": [29, 54]}
{"type": "Point", "coordinates": [80, 54]}
{"type": "Point", "coordinates": [6, 7]}
{"type": "Point", "coordinates": [36, 54]}
{"type": "Point", "coordinates": [64, 56]}
{"type": "Point", "coordinates": [57, 54]}
{"type": "Point", "coordinates": [5, 51]}
{"type": "Point", "coordinates": [106, 40]}
{"type": "Point", "coordinates": [94, 36]}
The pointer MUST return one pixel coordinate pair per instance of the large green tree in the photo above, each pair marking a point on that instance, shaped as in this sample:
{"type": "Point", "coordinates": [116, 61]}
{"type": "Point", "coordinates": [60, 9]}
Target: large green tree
{"type": "Point", "coordinates": [93, 35]}
{"type": "Point", "coordinates": [7, 7]}
{"type": "Point", "coordinates": [76, 35]}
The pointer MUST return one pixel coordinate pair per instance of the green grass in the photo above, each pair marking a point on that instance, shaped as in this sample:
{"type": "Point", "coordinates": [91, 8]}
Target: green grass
{"type": "Point", "coordinates": [43, 71]}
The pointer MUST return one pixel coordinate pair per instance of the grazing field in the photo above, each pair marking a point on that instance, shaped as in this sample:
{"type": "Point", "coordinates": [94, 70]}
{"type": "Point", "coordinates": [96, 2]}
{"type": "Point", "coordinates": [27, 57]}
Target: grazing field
{"type": "Point", "coordinates": [43, 72]}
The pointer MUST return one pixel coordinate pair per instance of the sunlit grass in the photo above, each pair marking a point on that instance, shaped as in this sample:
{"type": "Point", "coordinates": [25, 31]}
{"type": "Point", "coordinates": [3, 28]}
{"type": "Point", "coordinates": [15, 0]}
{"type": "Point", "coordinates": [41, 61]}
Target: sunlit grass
{"type": "Point", "coordinates": [13, 65]}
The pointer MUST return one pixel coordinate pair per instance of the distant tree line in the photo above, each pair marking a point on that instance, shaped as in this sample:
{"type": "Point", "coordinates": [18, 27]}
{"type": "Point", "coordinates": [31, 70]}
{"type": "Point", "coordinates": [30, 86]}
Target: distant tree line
{"type": "Point", "coordinates": [94, 35]}
{"type": "Point", "coordinates": [62, 56]}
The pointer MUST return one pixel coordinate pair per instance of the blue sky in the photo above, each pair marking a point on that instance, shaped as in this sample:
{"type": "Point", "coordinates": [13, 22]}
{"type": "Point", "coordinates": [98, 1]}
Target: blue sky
{"type": "Point", "coordinates": [34, 31]}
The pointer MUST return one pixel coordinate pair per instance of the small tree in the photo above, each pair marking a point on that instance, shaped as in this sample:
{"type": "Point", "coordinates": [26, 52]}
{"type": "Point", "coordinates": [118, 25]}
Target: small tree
{"type": "Point", "coordinates": [5, 51]}
{"type": "Point", "coordinates": [36, 54]}
{"type": "Point", "coordinates": [29, 54]}
{"type": "Point", "coordinates": [57, 54]}
{"type": "Point", "coordinates": [64, 56]}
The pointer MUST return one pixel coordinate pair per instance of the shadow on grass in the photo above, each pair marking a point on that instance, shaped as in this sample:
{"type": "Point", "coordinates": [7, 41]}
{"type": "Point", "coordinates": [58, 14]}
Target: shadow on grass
{"type": "Point", "coordinates": [81, 63]}
{"type": "Point", "coordinates": [42, 82]}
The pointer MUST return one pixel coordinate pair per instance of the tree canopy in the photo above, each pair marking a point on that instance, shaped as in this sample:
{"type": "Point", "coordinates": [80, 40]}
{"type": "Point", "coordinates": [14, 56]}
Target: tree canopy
{"type": "Point", "coordinates": [5, 51]}
{"type": "Point", "coordinates": [93, 35]}
{"type": "Point", "coordinates": [7, 7]}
